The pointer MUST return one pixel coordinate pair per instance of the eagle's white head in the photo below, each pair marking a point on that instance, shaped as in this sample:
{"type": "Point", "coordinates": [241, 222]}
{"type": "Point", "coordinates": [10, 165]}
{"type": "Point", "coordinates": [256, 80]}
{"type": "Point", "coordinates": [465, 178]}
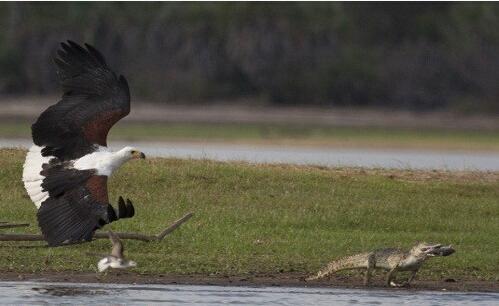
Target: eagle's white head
{"type": "Point", "coordinates": [122, 156]}
{"type": "Point", "coordinates": [105, 161]}
{"type": "Point", "coordinates": [128, 153]}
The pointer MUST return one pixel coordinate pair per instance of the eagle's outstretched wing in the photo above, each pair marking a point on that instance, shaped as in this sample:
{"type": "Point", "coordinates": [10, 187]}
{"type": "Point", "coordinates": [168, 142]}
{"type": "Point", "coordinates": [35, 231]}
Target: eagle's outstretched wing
{"type": "Point", "coordinates": [94, 100]}
{"type": "Point", "coordinates": [77, 205]}
{"type": "Point", "coordinates": [79, 209]}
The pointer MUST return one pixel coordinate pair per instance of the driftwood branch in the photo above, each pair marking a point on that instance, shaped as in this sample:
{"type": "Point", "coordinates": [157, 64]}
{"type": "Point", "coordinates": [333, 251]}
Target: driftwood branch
{"type": "Point", "coordinates": [136, 236]}
{"type": "Point", "coordinates": [12, 225]}
{"type": "Point", "coordinates": [98, 235]}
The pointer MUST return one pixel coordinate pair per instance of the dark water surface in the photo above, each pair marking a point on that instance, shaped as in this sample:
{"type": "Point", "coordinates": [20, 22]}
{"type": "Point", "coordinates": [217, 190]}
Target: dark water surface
{"type": "Point", "coordinates": [42, 293]}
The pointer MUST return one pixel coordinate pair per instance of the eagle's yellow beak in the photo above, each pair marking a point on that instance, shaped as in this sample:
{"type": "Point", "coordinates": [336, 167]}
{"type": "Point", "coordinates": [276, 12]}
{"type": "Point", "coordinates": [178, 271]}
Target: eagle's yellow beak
{"type": "Point", "coordinates": [138, 155]}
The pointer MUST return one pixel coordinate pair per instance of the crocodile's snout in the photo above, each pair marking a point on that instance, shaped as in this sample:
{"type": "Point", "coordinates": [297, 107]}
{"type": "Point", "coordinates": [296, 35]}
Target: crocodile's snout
{"type": "Point", "coordinates": [443, 250]}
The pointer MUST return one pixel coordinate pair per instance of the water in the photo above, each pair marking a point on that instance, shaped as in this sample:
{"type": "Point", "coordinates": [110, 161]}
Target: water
{"type": "Point", "coordinates": [395, 159]}
{"type": "Point", "coordinates": [39, 293]}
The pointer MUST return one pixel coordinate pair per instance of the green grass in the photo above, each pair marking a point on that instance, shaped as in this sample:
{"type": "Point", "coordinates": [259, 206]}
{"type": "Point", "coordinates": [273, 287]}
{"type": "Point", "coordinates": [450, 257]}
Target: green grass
{"type": "Point", "coordinates": [291, 135]}
{"type": "Point", "coordinates": [271, 219]}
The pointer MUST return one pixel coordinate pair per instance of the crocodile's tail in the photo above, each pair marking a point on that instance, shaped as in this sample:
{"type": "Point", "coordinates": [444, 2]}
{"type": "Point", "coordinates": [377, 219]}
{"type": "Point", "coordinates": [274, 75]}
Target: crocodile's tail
{"type": "Point", "coordinates": [358, 261]}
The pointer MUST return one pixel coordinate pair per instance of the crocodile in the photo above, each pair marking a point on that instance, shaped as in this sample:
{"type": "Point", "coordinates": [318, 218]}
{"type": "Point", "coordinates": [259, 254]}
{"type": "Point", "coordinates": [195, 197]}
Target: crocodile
{"type": "Point", "coordinates": [391, 259]}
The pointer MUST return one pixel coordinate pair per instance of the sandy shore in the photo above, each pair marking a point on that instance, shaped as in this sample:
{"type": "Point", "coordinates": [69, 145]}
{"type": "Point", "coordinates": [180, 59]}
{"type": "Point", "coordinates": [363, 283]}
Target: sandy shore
{"type": "Point", "coordinates": [227, 112]}
{"type": "Point", "coordinates": [259, 280]}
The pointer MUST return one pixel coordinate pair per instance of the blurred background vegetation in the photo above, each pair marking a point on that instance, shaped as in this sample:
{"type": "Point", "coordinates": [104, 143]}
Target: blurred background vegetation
{"type": "Point", "coordinates": [412, 56]}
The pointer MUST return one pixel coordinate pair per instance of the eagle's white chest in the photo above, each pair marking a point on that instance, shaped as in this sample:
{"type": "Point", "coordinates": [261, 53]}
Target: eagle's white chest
{"type": "Point", "coordinates": [103, 160]}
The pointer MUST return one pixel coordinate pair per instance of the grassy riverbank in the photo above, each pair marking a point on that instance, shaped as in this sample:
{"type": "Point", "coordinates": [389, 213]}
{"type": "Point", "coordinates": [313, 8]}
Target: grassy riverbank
{"type": "Point", "coordinates": [292, 134]}
{"type": "Point", "coordinates": [257, 219]}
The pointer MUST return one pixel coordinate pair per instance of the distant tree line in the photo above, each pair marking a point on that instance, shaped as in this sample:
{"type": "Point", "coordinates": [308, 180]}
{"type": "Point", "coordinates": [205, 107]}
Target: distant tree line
{"type": "Point", "coordinates": [417, 56]}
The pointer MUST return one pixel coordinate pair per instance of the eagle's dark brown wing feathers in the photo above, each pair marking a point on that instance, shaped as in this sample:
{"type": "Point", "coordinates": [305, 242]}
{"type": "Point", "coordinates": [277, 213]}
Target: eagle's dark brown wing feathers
{"type": "Point", "coordinates": [93, 100]}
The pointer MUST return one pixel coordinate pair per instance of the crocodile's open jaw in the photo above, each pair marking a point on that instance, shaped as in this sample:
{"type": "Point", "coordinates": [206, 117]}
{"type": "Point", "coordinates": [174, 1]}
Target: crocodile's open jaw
{"type": "Point", "coordinates": [439, 250]}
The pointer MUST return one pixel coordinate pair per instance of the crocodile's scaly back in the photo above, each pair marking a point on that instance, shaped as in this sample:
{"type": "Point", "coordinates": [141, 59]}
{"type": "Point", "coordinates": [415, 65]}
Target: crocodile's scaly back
{"type": "Point", "coordinates": [357, 261]}
{"type": "Point", "coordinates": [388, 258]}
{"type": "Point", "coordinates": [391, 259]}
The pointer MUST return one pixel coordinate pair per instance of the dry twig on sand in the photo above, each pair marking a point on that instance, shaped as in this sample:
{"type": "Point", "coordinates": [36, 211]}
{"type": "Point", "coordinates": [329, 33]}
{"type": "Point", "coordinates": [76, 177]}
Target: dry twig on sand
{"type": "Point", "coordinates": [98, 235]}
{"type": "Point", "coordinates": [4, 224]}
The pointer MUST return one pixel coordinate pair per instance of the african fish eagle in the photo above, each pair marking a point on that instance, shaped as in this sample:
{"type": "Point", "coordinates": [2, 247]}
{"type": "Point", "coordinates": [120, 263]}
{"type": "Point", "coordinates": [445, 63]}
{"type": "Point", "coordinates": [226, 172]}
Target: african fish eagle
{"type": "Point", "coordinates": [66, 169]}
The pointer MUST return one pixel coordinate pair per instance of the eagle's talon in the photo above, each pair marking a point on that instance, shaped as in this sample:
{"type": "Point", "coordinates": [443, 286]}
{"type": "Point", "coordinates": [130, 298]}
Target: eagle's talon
{"type": "Point", "coordinates": [122, 209]}
{"type": "Point", "coordinates": [130, 209]}
{"type": "Point", "coordinates": [125, 209]}
{"type": "Point", "coordinates": [111, 214]}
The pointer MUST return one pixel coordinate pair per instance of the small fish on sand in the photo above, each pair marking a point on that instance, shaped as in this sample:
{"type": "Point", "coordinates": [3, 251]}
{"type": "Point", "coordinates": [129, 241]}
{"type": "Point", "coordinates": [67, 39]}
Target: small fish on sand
{"type": "Point", "coordinates": [115, 260]}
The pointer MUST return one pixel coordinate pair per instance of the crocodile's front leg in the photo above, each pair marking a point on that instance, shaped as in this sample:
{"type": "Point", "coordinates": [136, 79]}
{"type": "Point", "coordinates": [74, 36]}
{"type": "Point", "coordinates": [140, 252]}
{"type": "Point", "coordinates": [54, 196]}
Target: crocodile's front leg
{"type": "Point", "coordinates": [390, 277]}
{"type": "Point", "coordinates": [409, 280]}
{"type": "Point", "coordinates": [392, 283]}
{"type": "Point", "coordinates": [371, 264]}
